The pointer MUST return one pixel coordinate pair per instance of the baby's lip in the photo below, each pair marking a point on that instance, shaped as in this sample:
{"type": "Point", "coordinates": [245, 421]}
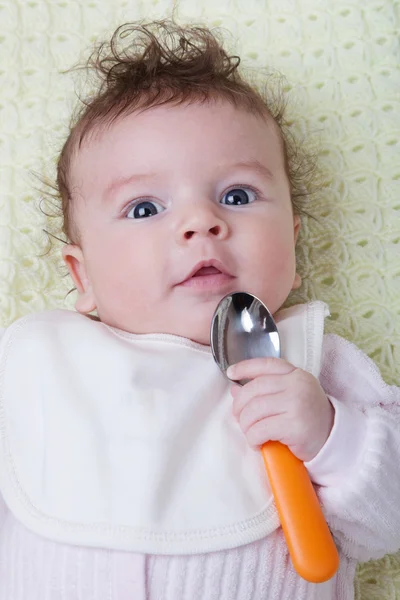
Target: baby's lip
{"type": "Point", "coordinates": [217, 264]}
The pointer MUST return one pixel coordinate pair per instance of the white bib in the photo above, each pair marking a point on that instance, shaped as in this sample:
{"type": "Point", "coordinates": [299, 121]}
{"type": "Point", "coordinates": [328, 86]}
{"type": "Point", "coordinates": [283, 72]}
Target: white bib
{"type": "Point", "coordinates": [128, 442]}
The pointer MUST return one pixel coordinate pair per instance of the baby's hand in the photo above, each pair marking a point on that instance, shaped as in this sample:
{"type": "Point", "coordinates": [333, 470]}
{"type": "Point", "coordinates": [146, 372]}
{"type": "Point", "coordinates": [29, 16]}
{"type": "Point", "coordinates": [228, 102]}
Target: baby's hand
{"type": "Point", "coordinates": [281, 403]}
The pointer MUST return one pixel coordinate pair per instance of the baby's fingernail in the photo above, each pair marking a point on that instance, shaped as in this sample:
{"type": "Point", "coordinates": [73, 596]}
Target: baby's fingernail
{"type": "Point", "coordinates": [230, 372]}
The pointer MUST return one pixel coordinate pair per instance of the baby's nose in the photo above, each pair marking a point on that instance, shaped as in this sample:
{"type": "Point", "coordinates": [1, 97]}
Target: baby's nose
{"type": "Point", "coordinates": [213, 231]}
{"type": "Point", "coordinates": [202, 223]}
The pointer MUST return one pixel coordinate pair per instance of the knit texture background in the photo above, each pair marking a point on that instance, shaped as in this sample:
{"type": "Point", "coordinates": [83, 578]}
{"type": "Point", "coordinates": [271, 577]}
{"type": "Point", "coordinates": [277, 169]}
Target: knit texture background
{"type": "Point", "coordinates": [341, 61]}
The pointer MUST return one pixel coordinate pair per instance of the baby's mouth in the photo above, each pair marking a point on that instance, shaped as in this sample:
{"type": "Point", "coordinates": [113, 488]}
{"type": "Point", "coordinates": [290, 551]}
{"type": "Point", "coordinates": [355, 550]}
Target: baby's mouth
{"type": "Point", "coordinates": [208, 278]}
{"type": "Point", "coordinates": [206, 271]}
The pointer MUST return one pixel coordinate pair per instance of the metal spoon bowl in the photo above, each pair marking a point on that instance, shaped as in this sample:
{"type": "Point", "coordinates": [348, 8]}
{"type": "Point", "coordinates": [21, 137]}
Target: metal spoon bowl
{"type": "Point", "coordinates": [242, 327]}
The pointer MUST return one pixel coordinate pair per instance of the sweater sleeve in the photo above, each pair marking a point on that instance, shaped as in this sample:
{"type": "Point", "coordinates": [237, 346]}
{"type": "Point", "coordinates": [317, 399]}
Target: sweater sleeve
{"type": "Point", "coordinates": [362, 508]}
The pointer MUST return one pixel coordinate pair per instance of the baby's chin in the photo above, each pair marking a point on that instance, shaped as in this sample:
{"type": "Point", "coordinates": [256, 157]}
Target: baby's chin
{"type": "Point", "coordinates": [204, 340]}
{"type": "Point", "coordinates": [195, 333]}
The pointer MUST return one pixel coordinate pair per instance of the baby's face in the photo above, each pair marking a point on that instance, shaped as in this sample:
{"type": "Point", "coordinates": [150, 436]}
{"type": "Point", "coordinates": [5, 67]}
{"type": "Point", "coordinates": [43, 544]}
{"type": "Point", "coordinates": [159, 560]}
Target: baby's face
{"type": "Point", "coordinates": [161, 193]}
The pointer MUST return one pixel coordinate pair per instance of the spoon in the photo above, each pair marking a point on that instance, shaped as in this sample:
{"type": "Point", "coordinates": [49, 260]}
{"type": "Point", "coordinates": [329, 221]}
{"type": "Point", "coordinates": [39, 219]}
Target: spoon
{"type": "Point", "coordinates": [243, 328]}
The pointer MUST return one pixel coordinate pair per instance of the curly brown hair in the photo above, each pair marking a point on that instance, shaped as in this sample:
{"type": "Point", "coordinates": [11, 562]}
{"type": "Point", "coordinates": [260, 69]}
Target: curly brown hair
{"type": "Point", "coordinates": [160, 62]}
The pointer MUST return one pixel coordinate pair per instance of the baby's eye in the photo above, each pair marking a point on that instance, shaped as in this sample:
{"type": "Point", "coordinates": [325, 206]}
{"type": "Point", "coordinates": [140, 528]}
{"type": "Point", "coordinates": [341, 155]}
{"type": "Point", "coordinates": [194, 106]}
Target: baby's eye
{"type": "Point", "coordinates": [239, 196]}
{"type": "Point", "coordinates": [144, 209]}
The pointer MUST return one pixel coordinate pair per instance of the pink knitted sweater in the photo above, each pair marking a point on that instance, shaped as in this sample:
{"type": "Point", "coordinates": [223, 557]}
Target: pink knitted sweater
{"type": "Point", "coordinates": [358, 477]}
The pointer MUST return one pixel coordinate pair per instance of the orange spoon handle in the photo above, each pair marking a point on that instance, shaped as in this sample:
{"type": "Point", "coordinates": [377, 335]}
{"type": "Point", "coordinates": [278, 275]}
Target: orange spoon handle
{"type": "Point", "coordinates": [310, 543]}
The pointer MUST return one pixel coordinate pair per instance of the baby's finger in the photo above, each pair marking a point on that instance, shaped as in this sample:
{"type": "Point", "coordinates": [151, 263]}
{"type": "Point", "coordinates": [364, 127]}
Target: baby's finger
{"type": "Point", "coordinates": [260, 386]}
{"type": "Point", "coordinates": [254, 367]}
{"type": "Point", "coordinates": [266, 430]}
{"type": "Point", "coordinates": [258, 409]}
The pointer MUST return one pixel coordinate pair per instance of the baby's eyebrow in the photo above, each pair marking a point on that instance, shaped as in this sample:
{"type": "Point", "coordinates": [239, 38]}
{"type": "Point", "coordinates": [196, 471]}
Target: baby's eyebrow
{"type": "Point", "coordinates": [254, 165]}
{"type": "Point", "coordinates": [120, 182]}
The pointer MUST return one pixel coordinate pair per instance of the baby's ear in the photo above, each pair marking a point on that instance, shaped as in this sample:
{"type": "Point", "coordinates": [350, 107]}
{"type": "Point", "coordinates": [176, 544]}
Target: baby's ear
{"type": "Point", "coordinates": [296, 282]}
{"type": "Point", "coordinates": [75, 261]}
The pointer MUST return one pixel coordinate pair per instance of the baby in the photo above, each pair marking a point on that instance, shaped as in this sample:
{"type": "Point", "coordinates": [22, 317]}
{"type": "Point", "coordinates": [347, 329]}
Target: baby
{"type": "Point", "coordinates": [129, 466]}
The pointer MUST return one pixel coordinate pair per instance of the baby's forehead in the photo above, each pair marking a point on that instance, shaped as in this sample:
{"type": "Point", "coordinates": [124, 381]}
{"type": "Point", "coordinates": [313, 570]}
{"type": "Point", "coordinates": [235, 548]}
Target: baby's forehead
{"type": "Point", "coordinates": [209, 133]}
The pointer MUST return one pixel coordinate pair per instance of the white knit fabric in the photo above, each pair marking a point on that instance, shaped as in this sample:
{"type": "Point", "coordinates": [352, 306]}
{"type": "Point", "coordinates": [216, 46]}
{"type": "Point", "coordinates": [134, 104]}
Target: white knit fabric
{"type": "Point", "coordinates": [33, 568]}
